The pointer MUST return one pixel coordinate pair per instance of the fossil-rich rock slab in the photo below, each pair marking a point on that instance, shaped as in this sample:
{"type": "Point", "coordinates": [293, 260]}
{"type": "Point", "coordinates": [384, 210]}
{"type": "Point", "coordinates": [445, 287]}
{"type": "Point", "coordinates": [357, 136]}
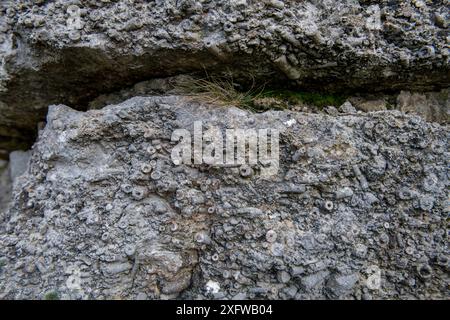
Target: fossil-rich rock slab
{"type": "Point", "coordinates": [68, 52]}
{"type": "Point", "coordinates": [357, 209]}
{"type": "Point", "coordinates": [5, 186]}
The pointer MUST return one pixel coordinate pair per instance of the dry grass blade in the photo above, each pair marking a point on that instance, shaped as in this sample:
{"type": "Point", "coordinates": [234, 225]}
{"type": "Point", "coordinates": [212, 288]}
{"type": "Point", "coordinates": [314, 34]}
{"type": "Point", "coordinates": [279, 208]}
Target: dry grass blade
{"type": "Point", "coordinates": [219, 91]}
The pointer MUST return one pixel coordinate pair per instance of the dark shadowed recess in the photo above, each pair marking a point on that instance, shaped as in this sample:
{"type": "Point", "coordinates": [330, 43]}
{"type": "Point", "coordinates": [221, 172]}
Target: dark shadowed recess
{"type": "Point", "coordinates": [78, 75]}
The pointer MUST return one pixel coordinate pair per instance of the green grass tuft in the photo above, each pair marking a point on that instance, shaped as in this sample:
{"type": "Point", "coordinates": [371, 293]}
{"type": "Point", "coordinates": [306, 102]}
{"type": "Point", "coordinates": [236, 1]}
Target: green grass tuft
{"type": "Point", "coordinates": [52, 295]}
{"type": "Point", "coordinates": [223, 91]}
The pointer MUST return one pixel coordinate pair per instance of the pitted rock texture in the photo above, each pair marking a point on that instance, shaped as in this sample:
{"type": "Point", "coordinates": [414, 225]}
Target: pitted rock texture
{"type": "Point", "coordinates": [71, 51]}
{"type": "Point", "coordinates": [431, 106]}
{"type": "Point", "coordinates": [5, 187]}
{"type": "Point", "coordinates": [357, 209]}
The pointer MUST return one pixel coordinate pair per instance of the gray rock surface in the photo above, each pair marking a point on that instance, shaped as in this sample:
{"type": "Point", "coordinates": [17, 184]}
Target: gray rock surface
{"type": "Point", "coordinates": [432, 106]}
{"type": "Point", "coordinates": [5, 187]}
{"type": "Point", "coordinates": [72, 51]}
{"type": "Point", "coordinates": [357, 209]}
{"type": "Point", "coordinates": [18, 163]}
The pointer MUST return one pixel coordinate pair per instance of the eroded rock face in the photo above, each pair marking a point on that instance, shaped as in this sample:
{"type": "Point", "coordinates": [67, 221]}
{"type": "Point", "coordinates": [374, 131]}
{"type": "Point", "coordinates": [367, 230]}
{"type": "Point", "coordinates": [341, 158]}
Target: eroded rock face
{"type": "Point", "coordinates": [71, 51]}
{"type": "Point", "coordinates": [433, 106]}
{"type": "Point", "coordinates": [356, 210]}
{"type": "Point", "coordinates": [5, 187]}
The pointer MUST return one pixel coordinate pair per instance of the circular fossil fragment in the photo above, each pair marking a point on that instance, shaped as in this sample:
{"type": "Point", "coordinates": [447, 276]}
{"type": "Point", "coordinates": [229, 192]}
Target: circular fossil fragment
{"type": "Point", "coordinates": [211, 210]}
{"type": "Point", "coordinates": [442, 260]}
{"type": "Point", "coordinates": [180, 195]}
{"type": "Point", "coordinates": [438, 147]}
{"type": "Point", "coordinates": [41, 193]}
{"type": "Point", "coordinates": [360, 250]}
{"type": "Point", "coordinates": [74, 35]}
{"type": "Point", "coordinates": [380, 128]}
{"type": "Point", "coordinates": [122, 224]}
{"type": "Point", "coordinates": [228, 27]}
{"type": "Point", "coordinates": [215, 257]}
{"type": "Point", "coordinates": [409, 250]}
{"type": "Point", "coordinates": [426, 203]}
{"type": "Point", "coordinates": [202, 237]}
{"type": "Point", "coordinates": [328, 205]}
{"type": "Point", "coordinates": [30, 204]}
{"type": "Point", "coordinates": [405, 194]}
{"type": "Point", "coordinates": [271, 236]}
{"type": "Point", "coordinates": [138, 193]}
{"type": "Point", "coordinates": [151, 150]}
{"type": "Point", "coordinates": [105, 236]}
{"type": "Point", "coordinates": [73, 10]}
{"type": "Point", "coordinates": [430, 182]}
{"type": "Point", "coordinates": [424, 271]}
{"type": "Point", "coordinates": [403, 138]}
{"type": "Point", "coordinates": [129, 250]}
{"type": "Point", "coordinates": [245, 171]}
{"type": "Point", "coordinates": [173, 226]}
{"type": "Point", "coordinates": [156, 175]}
{"type": "Point", "coordinates": [127, 188]}
{"type": "Point", "coordinates": [226, 274]}
{"type": "Point", "coordinates": [146, 168]}
{"type": "Point", "coordinates": [204, 187]}
{"type": "Point", "coordinates": [368, 127]}
{"type": "Point", "coordinates": [95, 15]}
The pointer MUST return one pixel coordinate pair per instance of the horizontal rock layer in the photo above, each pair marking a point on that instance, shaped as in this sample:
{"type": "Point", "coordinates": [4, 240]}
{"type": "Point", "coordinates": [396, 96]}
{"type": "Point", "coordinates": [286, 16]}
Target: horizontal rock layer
{"type": "Point", "coordinates": [71, 51]}
{"type": "Point", "coordinates": [357, 209]}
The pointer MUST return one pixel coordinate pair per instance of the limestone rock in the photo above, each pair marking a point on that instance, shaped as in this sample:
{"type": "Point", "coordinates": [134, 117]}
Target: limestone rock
{"type": "Point", "coordinates": [18, 163]}
{"type": "Point", "coordinates": [369, 105]}
{"type": "Point", "coordinates": [104, 212]}
{"type": "Point", "coordinates": [5, 187]}
{"type": "Point", "coordinates": [431, 106]}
